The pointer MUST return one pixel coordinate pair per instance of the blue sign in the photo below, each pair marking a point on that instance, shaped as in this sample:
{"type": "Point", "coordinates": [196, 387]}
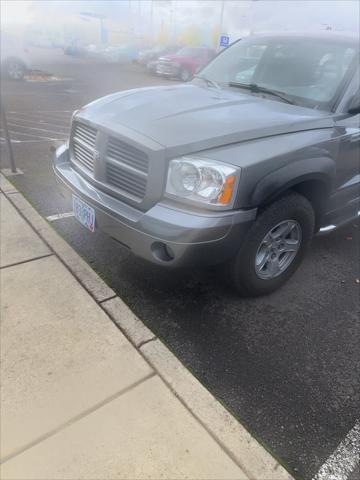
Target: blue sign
{"type": "Point", "coordinates": [224, 41]}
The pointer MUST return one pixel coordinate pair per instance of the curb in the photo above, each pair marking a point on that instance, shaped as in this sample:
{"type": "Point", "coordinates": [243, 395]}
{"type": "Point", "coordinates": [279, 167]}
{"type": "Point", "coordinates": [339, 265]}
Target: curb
{"type": "Point", "coordinates": [235, 440]}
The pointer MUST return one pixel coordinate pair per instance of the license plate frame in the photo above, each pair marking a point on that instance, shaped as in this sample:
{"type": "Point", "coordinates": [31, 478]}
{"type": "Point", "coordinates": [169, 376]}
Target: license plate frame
{"type": "Point", "coordinates": [84, 213]}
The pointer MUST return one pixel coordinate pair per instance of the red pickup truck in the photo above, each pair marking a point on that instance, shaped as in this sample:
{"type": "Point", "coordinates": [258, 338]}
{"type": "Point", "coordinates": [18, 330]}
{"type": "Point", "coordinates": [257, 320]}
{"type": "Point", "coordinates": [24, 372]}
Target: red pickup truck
{"type": "Point", "coordinates": [184, 63]}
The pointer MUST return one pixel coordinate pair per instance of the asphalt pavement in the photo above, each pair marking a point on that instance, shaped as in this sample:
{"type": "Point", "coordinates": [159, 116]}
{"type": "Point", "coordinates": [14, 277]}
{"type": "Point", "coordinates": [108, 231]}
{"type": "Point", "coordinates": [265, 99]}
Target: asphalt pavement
{"type": "Point", "coordinates": [287, 365]}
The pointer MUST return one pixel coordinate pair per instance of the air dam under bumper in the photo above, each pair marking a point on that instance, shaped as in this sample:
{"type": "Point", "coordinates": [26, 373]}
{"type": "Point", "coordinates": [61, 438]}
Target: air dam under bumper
{"type": "Point", "coordinates": [164, 234]}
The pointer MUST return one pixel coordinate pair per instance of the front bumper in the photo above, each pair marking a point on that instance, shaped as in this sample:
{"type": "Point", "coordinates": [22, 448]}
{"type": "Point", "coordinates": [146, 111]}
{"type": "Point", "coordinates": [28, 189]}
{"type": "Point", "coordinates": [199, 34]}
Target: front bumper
{"type": "Point", "coordinates": [164, 234]}
{"type": "Point", "coordinates": [168, 70]}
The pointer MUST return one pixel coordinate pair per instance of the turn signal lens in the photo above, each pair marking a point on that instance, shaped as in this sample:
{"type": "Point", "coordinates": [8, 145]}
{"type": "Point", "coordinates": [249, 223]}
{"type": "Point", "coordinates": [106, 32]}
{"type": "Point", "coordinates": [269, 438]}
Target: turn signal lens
{"type": "Point", "coordinates": [228, 189]}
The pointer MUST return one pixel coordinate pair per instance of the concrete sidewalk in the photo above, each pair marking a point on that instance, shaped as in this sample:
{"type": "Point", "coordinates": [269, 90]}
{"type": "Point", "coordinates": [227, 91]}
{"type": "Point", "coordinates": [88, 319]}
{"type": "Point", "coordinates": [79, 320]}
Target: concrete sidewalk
{"type": "Point", "coordinates": [87, 391]}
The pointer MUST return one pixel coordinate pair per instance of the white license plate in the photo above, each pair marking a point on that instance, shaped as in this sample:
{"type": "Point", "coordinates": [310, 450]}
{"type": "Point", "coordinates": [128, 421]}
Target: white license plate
{"type": "Point", "coordinates": [84, 213]}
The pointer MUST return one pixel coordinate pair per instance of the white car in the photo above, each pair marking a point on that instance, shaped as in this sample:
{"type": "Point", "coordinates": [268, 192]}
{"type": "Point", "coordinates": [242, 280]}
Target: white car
{"type": "Point", "coordinates": [14, 57]}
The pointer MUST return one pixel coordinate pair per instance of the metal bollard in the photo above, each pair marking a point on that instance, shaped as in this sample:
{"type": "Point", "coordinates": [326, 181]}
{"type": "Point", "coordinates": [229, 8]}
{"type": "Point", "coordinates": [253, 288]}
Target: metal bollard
{"type": "Point", "coordinates": [8, 141]}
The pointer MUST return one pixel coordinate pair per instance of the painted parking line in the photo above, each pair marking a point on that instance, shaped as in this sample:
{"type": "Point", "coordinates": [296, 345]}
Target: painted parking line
{"type": "Point", "coordinates": [38, 115]}
{"type": "Point", "coordinates": [37, 121]}
{"type": "Point", "coordinates": [3, 141]}
{"type": "Point", "coordinates": [15, 134]}
{"type": "Point", "coordinates": [344, 460]}
{"type": "Point", "coordinates": [37, 112]}
{"type": "Point", "coordinates": [59, 216]}
{"type": "Point", "coordinates": [33, 128]}
{"type": "Point", "coordinates": [38, 137]}
{"type": "Point", "coordinates": [44, 111]}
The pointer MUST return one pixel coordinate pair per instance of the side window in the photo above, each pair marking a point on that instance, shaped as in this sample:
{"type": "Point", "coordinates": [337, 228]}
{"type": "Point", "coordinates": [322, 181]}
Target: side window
{"type": "Point", "coordinates": [332, 66]}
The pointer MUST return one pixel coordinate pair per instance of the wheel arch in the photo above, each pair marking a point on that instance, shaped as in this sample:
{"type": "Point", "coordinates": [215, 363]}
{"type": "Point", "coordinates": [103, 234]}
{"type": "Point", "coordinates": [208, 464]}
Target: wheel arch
{"type": "Point", "coordinates": [312, 178]}
{"type": "Point", "coordinates": [7, 61]}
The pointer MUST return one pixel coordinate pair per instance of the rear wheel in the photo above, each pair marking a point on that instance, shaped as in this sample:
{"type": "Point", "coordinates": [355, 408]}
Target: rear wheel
{"type": "Point", "coordinates": [274, 246]}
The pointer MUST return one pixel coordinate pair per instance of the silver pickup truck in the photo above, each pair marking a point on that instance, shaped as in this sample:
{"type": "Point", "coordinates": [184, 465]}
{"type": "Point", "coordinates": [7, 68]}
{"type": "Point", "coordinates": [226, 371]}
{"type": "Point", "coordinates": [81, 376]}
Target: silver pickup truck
{"type": "Point", "coordinates": [240, 167]}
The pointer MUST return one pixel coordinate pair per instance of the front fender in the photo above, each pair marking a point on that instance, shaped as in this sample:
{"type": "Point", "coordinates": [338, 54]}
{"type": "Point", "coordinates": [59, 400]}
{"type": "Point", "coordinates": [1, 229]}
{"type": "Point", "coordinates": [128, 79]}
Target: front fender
{"type": "Point", "coordinates": [274, 184]}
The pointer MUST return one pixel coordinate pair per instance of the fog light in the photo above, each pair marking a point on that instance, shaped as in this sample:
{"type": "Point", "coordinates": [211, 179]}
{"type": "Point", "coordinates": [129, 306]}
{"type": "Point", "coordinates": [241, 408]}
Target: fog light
{"type": "Point", "coordinates": [162, 252]}
{"type": "Point", "coordinates": [169, 252]}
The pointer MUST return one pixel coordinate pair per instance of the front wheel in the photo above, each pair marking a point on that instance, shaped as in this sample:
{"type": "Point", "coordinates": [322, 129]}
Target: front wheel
{"type": "Point", "coordinates": [274, 246]}
{"type": "Point", "coordinates": [185, 75]}
{"type": "Point", "coordinates": [15, 69]}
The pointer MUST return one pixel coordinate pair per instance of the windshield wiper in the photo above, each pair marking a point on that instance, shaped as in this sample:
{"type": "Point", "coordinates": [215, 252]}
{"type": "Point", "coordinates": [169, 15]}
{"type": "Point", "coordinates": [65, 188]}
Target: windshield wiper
{"type": "Point", "coordinates": [209, 82]}
{"type": "Point", "coordinates": [254, 88]}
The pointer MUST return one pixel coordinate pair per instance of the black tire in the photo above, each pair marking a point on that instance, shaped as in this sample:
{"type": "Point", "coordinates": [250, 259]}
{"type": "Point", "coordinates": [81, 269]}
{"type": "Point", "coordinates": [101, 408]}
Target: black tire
{"type": "Point", "coordinates": [241, 269]}
{"type": "Point", "coordinates": [185, 75]}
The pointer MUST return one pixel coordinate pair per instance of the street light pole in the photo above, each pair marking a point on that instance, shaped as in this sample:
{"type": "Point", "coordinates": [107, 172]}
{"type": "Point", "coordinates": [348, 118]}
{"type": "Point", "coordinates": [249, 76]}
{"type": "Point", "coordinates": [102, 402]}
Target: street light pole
{"type": "Point", "coordinates": [151, 21]}
{"type": "Point", "coordinates": [222, 16]}
{"type": "Point", "coordinates": [175, 20]}
{"type": "Point", "coordinates": [101, 19]}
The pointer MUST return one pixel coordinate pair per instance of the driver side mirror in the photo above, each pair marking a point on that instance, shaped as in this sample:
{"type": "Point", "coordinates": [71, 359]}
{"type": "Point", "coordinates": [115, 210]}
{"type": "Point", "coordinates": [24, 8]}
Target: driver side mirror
{"type": "Point", "coordinates": [354, 108]}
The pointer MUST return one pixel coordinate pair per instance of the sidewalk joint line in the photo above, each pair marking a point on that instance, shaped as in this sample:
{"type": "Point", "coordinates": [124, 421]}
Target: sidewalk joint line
{"type": "Point", "coordinates": [147, 341]}
{"type": "Point", "coordinates": [27, 261]}
{"type": "Point", "coordinates": [55, 253]}
{"type": "Point", "coordinates": [68, 268]}
{"type": "Point", "coordinates": [156, 371]}
{"type": "Point", "coordinates": [226, 450]}
{"type": "Point", "coordinates": [78, 417]}
{"type": "Point", "coordinates": [213, 436]}
{"type": "Point", "coordinates": [106, 299]}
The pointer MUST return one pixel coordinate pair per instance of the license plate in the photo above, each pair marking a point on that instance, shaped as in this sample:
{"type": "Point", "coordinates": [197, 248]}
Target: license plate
{"type": "Point", "coordinates": [84, 213]}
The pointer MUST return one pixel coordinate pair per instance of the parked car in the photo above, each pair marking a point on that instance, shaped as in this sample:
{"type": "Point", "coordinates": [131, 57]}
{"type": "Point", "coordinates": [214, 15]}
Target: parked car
{"type": "Point", "coordinates": [74, 49]}
{"type": "Point", "coordinates": [149, 55]}
{"type": "Point", "coordinates": [121, 53]}
{"type": "Point", "coordinates": [185, 63]}
{"type": "Point", "coordinates": [15, 59]}
{"type": "Point", "coordinates": [225, 170]}
{"type": "Point", "coordinates": [151, 67]}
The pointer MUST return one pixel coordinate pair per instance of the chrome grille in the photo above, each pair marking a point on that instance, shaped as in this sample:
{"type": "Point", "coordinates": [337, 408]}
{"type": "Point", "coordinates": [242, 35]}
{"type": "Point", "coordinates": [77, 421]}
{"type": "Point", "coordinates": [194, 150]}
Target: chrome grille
{"type": "Point", "coordinates": [126, 167]}
{"type": "Point", "coordinates": [125, 180]}
{"type": "Point", "coordinates": [84, 138]}
{"type": "Point", "coordinates": [127, 155]}
{"type": "Point", "coordinates": [83, 156]}
{"type": "Point", "coordinates": [116, 165]}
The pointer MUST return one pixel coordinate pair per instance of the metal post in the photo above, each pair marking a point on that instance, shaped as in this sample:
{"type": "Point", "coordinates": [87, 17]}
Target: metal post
{"type": "Point", "coordinates": [8, 142]}
{"type": "Point", "coordinates": [175, 21]}
{"type": "Point", "coordinates": [222, 16]}
{"type": "Point", "coordinates": [151, 22]}
{"type": "Point", "coordinates": [221, 24]}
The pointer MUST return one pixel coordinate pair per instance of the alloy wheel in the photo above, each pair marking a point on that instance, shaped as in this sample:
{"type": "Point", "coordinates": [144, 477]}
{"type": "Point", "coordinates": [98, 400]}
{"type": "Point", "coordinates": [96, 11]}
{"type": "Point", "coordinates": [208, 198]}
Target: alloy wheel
{"type": "Point", "coordinates": [278, 249]}
{"type": "Point", "coordinates": [15, 71]}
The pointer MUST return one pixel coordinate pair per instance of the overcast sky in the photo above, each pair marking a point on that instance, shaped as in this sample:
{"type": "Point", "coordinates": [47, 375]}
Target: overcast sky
{"type": "Point", "coordinates": [240, 16]}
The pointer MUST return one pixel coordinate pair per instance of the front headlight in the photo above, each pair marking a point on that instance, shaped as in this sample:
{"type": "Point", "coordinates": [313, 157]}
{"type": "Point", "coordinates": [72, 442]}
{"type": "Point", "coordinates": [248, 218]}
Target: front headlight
{"type": "Point", "coordinates": [202, 180]}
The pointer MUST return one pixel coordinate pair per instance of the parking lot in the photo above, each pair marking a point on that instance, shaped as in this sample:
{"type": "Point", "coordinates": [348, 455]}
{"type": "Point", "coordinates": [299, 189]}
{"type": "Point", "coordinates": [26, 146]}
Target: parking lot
{"type": "Point", "coordinates": [286, 365]}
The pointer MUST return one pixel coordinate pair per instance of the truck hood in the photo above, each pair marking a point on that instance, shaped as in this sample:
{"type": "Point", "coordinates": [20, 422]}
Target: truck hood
{"type": "Point", "coordinates": [190, 118]}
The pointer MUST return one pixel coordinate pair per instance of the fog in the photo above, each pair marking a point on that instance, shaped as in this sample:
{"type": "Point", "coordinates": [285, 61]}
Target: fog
{"type": "Point", "coordinates": [148, 22]}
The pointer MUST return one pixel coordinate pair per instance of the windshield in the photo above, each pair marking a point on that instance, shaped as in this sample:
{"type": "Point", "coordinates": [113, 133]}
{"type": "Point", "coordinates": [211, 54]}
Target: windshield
{"type": "Point", "coordinates": [311, 72]}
